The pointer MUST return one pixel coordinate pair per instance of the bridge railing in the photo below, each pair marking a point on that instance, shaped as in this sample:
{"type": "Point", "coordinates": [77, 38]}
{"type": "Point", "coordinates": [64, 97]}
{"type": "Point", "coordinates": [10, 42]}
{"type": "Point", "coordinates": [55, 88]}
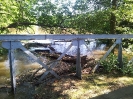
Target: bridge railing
{"type": "Point", "coordinates": [64, 37]}
{"type": "Point", "coordinates": [12, 42]}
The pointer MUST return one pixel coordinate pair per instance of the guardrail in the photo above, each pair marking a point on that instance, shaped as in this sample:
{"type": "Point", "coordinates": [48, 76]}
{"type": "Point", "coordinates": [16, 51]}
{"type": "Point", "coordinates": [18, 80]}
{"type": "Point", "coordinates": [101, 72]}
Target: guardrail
{"type": "Point", "coordinates": [63, 37]}
{"type": "Point", "coordinates": [12, 42]}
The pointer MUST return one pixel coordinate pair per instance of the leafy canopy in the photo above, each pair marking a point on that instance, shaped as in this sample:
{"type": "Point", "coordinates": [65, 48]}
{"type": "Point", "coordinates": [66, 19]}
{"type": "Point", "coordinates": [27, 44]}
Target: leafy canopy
{"type": "Point", "coordinates": [81, 16]}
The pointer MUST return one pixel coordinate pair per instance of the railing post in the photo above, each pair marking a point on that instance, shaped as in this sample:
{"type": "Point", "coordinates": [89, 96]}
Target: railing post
{"type": "Point", "coordinates": [12, 68]}
{"type": "Point", "coordinates": [120, 60]}
{"type": "Point", "coordinates": [78, 61]}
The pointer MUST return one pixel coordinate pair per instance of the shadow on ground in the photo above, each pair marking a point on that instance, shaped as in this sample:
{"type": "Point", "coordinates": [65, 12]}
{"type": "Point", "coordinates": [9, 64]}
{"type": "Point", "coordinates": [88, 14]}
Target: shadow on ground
{"type": "Point", "coordinates": [122, 93]}
{"type": "Point", "coordinates": [27, 91]}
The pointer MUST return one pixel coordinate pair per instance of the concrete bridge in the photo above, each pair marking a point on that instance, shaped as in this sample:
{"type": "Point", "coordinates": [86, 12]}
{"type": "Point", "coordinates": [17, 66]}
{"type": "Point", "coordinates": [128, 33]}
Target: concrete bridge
{"type": "Point", "coordinates": [12, 42]}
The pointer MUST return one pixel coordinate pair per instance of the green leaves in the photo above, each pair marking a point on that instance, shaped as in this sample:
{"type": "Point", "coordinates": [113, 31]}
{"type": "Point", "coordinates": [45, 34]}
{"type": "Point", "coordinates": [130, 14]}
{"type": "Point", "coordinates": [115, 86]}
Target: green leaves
{"type": "Point", "coordinates": [12, 11]}
{"type": "Point", "coordinates": [82, 16]}
{"type": "Point", "coordinates": [110, 64]}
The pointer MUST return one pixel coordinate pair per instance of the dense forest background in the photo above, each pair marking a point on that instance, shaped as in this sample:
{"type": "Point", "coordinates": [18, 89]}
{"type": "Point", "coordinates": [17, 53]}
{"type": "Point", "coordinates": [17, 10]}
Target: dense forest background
{"type": "Point", "coordinates": [65, 16]}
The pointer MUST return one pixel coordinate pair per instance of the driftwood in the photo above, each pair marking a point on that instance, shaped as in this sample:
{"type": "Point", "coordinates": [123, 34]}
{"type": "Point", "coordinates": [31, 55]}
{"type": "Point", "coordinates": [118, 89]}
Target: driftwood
{"type": "Point", "coordinates": [68, 63]}
{"type": "Point", "coordinates": [66, 58]}
{"type": "Point", "coordinates": [65, 66]}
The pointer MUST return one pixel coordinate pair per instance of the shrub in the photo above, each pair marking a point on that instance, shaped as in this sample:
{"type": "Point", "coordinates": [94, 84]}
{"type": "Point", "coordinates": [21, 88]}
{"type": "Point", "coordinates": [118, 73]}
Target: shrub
{"type": "Point", "coordinates": [110, 65]}
{"type": "Point", "coordinates": [3, 51]}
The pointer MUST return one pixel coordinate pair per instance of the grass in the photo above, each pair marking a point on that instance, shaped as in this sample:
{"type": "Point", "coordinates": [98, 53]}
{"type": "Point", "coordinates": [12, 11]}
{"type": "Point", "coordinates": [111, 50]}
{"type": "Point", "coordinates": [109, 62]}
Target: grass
{"type": "Point", "coordinates": [69, 87]}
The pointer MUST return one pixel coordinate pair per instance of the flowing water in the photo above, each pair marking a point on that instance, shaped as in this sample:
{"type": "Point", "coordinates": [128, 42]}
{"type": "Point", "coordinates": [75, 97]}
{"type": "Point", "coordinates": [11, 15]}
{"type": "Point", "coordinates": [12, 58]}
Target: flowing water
{"type": "Point", "coordinates": [85, 49]}
{"type": "Point", "coordinates": [23, 62]}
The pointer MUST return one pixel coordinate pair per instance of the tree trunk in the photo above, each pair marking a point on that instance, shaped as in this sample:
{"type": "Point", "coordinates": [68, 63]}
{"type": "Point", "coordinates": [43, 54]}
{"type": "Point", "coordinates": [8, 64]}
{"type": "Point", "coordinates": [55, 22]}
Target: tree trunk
{"type": "Point", "coordinates": [113, 20]}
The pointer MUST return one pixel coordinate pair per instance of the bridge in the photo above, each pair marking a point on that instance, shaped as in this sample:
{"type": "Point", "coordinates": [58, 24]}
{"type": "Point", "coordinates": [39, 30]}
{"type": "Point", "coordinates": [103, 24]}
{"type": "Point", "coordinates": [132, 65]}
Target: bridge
{"type": "Point", "coordinates": [12, 42]}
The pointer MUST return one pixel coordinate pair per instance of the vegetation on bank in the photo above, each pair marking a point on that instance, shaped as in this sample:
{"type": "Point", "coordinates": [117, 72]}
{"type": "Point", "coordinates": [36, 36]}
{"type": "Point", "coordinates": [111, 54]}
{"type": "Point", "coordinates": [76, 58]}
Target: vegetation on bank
{"type": "Point", "coordinates": [110, 65]}
{"type": "Point", "coordinates": [3, 51]}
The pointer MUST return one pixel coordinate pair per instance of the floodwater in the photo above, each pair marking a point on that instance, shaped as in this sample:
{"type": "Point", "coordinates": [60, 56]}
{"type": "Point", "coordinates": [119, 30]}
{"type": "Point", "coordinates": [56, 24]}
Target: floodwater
{"type": "Point", "coordinates": [22, 63]}
{"type": "Point", "coordinates": [4, 71]}
{"type": "Point", "coordinates": [4, 78]}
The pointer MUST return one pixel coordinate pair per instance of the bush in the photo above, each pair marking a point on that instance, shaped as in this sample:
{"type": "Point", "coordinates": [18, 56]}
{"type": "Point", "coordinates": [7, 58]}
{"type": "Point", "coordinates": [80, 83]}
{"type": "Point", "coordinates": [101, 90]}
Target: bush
{"type": "Point", "coordinates": [3, 51]}
{"type": "Point", "coordinates": [110, 65]}
{"type": "Point", "coordinates": [128, 69]}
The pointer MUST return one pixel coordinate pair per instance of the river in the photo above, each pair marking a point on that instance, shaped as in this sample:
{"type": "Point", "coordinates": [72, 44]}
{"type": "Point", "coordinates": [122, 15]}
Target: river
{"type": "Point", "coordinates": [22, 64]}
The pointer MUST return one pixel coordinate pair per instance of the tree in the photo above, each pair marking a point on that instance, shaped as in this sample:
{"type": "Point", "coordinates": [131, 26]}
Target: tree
{"type": "Point", "coordinates": [82, 16]}
{"type": "Point", "coordinates": [125, 17]}
{"type": "Point", "coordinates": [15, 14]}
{"type": "Point", "coordinates": [113, 17]}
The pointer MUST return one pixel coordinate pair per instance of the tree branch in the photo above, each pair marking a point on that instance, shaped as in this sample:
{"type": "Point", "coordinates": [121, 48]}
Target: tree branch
{"type": "Point", "coordinates": [16, 24]}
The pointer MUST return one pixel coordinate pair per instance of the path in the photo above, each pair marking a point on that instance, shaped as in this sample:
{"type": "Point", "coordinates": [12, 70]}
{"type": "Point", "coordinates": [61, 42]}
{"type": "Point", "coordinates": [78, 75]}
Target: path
{"type": "Point", "coordinates": [122, 93]}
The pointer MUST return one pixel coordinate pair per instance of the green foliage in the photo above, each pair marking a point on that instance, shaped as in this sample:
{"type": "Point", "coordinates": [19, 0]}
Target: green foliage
{"type": "Point", "coordinates": [128, 70]}
{"type": "Point", "coordinates": [13, 13]}
{"type": "Point", "coordinates": [82, 16]}
{"type": "Point", "coordinates": [110, 65]}
{"type": "Point", "coordinates": [3, 51]}
{"type": "Point", "coordinates": [79, 16]}
{"type": "Point", "coordinates": [127, 44]}
{"type": "Point", "coordinates": [124, 17]}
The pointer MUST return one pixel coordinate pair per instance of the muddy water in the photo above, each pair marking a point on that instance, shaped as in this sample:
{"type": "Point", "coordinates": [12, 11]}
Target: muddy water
{"type": "Point", "coordinates": [4, 73]}
{"type": "Point", "coordinates": [4, 78]}
{"type": "Point", "coordinates": [22, 63]}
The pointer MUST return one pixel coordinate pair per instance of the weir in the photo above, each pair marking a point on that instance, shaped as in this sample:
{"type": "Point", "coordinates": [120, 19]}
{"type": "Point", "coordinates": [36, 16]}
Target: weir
{"type": "Point", "coordinates": [12, 42]}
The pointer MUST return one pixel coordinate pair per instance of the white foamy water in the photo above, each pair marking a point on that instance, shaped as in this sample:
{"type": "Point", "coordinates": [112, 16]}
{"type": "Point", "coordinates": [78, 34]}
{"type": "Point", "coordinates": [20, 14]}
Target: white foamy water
{"type": "Point", "coordinates": [84, 49]}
